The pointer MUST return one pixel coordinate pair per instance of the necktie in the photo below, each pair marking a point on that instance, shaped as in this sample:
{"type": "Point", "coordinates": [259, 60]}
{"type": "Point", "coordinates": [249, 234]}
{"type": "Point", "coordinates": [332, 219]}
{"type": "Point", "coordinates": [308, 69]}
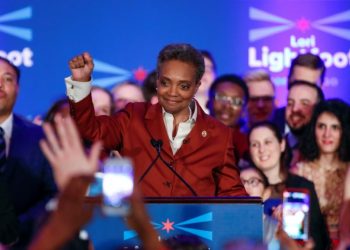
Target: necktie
{"type": "Point", "coordinates": [2, 150]}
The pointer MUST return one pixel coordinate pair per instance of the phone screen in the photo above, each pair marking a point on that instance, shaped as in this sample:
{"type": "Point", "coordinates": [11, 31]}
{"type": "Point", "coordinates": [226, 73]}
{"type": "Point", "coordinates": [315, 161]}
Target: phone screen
{"type": "Point", "coordinates": [95, 188]}
{"type": "Point", "coordinates": [296, 207]}
{"type": "Point", "coordinates": [117, 185]}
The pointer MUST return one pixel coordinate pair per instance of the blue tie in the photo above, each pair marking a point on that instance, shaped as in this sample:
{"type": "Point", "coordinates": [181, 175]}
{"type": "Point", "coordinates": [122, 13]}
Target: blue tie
{"type": "Point", "coordinates": [2, 150]}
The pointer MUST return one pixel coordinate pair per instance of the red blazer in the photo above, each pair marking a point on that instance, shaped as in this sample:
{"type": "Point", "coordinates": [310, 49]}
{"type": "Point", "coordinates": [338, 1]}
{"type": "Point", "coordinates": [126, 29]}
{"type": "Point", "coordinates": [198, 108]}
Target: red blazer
{"type": "Point", "coordinates": [205, 160]}
{"type": "Point", "coordinates": [240, 142]}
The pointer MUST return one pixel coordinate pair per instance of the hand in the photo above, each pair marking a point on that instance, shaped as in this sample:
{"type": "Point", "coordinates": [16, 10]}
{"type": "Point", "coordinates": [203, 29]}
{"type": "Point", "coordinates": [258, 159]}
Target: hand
{"type": "Point", "coordinates": [65, 152]}
{"type": "Point", "coordinates": [71, 214]}
{"type": "Point", "coordinates": [81, 67]}
{"type": "Point", "coordinates": [290, 244]}
{"type": "Point", "coordinates": [277, 213]}
{"type": "Point", "coordinates": [138, 219]}
{"type": "Point", "coordinates": [38, 120]}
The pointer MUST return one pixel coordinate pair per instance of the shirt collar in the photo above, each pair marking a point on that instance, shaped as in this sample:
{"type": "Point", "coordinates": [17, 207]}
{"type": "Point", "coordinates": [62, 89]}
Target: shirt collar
{"type": "Point", "coordinates": [292, 140]}
{"type": "Point", "coordinates": [7, 125]}
{"type": "Point", "coordinates": [193, 116]}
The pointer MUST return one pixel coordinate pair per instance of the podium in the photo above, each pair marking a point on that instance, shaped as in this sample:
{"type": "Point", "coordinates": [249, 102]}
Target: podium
{"type": "Point", "coordinates": [216, 221]}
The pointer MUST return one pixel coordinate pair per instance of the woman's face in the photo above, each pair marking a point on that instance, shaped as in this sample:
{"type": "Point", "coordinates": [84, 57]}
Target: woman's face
{"type": "Point", "coordinates": [265, 149]}
{"type": "Point", "coordinates": [252, 182]}
{"type": "Point", "coordinates": [328, 132]}
{"type": "Point", "coordinates": [177, 86]}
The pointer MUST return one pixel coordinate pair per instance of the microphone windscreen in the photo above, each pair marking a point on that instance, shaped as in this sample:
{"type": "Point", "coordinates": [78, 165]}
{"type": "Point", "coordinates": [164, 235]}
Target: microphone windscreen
{"type": "Point", "coordinates": [154, 142]}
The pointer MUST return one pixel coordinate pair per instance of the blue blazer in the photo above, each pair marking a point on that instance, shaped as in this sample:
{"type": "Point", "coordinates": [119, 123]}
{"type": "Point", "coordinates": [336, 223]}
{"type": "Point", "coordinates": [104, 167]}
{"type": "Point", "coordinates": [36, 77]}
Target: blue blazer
{"type": "Point", "coordinates": [28, 174]}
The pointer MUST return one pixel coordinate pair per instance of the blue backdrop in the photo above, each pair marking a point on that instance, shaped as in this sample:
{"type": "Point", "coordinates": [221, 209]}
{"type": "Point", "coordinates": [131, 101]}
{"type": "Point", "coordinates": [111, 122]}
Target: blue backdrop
{"type": "Point", "coordinates": [125, 37]}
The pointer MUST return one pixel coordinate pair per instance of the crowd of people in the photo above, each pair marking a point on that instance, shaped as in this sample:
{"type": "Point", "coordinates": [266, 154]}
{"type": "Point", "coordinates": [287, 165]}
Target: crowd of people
{"type": "Point", "coordinates": [222, 134]}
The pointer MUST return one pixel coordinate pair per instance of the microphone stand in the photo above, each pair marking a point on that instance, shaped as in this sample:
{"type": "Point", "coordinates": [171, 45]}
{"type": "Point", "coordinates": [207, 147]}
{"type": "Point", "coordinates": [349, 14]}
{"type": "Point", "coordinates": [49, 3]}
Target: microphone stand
{"type": "Point", "coordinates": [154, 144]}
{"type": "Point", "coordinates": [158, 144]}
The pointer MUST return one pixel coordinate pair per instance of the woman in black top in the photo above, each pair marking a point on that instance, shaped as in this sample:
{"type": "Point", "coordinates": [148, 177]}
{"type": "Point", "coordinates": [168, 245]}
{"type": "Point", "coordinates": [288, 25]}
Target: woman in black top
{"type": "Point", "coordinates": [269, 152]}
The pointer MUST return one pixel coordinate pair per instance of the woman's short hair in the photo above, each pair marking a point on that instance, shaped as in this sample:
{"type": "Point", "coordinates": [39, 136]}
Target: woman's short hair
{"type": "Point", "coordinates": [232, 79]}
{"type": "Point", "coordinates": [184, 53]}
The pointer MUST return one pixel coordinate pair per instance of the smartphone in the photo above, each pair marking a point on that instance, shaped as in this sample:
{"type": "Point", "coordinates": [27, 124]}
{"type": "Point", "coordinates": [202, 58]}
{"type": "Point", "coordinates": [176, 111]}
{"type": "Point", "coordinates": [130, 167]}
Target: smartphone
{"type": "Point", "coordinates": [117, 186]}
{"type": "Point", "coordinates": [296, 213]}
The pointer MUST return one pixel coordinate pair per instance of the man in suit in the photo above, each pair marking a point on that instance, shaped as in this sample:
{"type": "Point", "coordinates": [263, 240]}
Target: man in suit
{"type": "Point", "coordinates": [196, 146]}
{"type": "Point", "coordinates": [9, 223]}
{"type": "Point", "coordinates": [27, 174]}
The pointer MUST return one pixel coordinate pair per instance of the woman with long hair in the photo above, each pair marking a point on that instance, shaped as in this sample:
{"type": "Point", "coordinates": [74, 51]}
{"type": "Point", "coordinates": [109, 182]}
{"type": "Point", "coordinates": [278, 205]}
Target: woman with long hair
{"type": "Point", "coordinates": [269, 152]}
{"type": "Point", "coordinates": [325, 150]}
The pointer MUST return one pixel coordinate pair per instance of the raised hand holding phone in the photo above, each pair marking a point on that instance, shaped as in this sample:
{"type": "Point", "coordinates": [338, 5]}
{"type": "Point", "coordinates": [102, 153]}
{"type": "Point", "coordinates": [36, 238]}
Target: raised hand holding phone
{"type": "Point", "coordinates": [117, 186]}
{"type": "Point", "coordinates": [295, 213]}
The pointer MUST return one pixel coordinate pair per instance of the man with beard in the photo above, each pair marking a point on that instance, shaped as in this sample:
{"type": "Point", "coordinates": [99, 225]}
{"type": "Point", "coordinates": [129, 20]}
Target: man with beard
{"type": "Point", "coordinates": [305, 67]}
{"type": "Point", "coordinates": [302, 98]}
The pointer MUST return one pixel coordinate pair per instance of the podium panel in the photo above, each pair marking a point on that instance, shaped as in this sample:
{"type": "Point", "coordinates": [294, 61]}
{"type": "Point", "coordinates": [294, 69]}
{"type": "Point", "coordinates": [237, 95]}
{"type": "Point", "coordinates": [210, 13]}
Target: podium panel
{"type": "Point", "coordinates": [214, 221]}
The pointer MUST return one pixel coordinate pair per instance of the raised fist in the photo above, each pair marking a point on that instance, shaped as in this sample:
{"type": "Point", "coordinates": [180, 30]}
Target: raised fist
{"type": "Point", "coordinates": [81, 67]}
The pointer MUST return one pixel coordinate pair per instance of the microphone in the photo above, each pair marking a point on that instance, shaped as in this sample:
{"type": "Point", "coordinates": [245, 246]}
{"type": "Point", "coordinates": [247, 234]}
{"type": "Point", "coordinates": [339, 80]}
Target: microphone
{"type": "Point", "coordinates": [158, 145]}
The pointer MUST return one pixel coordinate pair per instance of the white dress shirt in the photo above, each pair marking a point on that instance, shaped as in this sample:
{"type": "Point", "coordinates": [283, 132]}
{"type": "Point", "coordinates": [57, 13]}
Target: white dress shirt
{"type": "Point", "coordinates": [183, 130]}
{"type": "Point", "coordinates": [77, 91]}
{"type": "Point", "coordinates": [7, 126]}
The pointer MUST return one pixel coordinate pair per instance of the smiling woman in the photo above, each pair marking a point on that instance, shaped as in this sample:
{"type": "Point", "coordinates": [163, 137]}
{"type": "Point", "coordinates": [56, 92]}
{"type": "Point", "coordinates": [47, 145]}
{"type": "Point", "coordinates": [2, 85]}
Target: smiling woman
{"type": "Point", "coordinates": [270, 153]}
{"type": "Point", "coordinates": [179, 68]}
{"type": "Point", "coordinates": [193, 145]}
{"type": "Point", "coordinates": [177, 86]}
{"type": "Point", "coordinates": [326, 154]}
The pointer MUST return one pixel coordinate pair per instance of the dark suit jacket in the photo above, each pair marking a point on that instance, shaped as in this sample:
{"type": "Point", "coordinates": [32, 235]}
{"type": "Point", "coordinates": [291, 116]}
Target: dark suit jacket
{"type": "Point", "coordinates": [205, 160]}
{"type": "Point", "coordinates": [318, 228]}
{"type": "Point", "coordinates": [9, 229]}
{"type": "Point", "coordinates": [279, 119]}
{"type": "Point", "coordinates": [28, 175]}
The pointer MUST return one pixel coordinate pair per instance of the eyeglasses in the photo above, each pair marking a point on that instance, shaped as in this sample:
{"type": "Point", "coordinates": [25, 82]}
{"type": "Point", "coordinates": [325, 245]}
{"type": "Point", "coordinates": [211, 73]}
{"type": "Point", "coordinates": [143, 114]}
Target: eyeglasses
{"type": "Point", "coordinates": [264, 99]}
{"type": "Point", "coordinates": [236, 102]}
{"type": "Point", "coordinates": [254, 182]}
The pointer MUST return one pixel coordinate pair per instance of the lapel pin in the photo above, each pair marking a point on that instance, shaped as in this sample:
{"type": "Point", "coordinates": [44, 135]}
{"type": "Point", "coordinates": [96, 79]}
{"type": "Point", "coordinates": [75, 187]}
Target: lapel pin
{"type": "Point", "coordinates": [204, 133]}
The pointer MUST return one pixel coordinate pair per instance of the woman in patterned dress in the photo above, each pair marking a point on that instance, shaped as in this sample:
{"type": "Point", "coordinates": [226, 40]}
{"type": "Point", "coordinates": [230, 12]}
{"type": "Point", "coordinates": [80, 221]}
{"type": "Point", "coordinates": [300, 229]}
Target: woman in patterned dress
{"type": "Point", "coordinates": [325, 149]}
